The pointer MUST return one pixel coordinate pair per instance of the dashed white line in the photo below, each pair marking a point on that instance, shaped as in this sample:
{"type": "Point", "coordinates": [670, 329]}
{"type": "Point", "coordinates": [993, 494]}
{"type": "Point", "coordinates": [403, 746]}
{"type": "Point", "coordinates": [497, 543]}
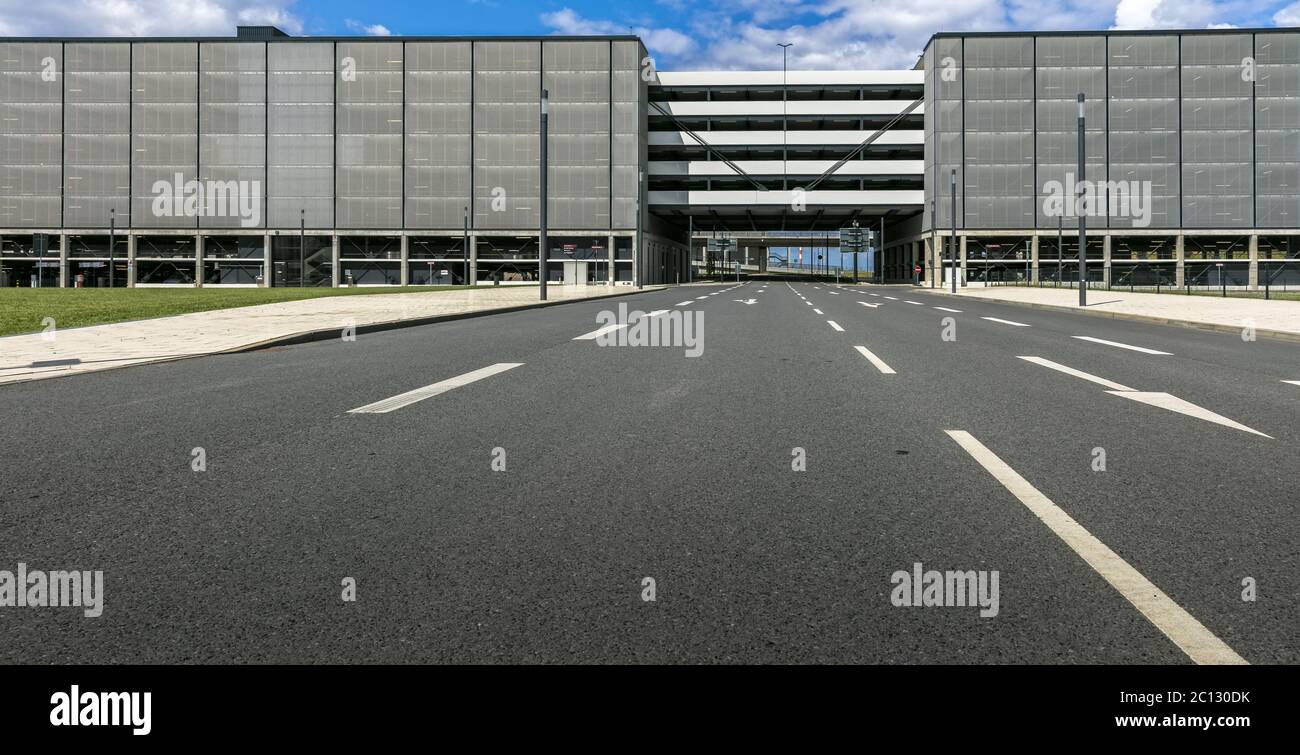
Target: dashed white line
{"type": "Point", "coordinates": [1006, 322]}
{"type": "Point", "coordinates": [684, 303]}
{"type": "Point", "coordinates": [880, 365]}
{"type": "Point", "coordinates": [835, 325]}
{"type": "Point", "coordinates": [701, 297]}
{"type": "Point", "coordinates": [598, 332]}
{"type": "Point", "coordinates": [1118, 345]}
{"type": "Point", "coordinates": [818, 311]}
{"type": "Point", "coordinates": [1292, 382]}
{"type": "Point", "coordinates": [948, 309]}
{"type": "Point", "coordinates": [442, 386]}
{"type": "Point", "coordinates": [917, 303]}
{"type": "Point", "coordinates": [892, 298]}
{"type": "Point", "coordinates": [1199, 643]}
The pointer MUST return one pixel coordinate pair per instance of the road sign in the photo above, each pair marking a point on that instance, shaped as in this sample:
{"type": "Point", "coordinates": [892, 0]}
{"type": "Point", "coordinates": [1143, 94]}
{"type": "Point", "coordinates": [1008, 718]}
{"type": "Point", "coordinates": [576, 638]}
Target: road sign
{"type": "Point", "coordinates": [854, 239]}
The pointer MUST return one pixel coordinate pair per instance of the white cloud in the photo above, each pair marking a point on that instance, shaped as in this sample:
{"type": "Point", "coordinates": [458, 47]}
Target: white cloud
{"type": "Point", "coordinates": [161, 18]}
{"type": "Point", "coordinates": [374, 30]}
{"type": "Point", "coordinates": [1288, 16]}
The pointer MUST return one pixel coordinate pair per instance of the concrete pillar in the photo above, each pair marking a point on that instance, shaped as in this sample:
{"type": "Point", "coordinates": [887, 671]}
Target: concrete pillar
{"type": "Point", "coordinates": [63, 260]}
{"type": "Point", "coordinates": [1254, 262]}
{"type": "Point", "coordinates": [198, 261]}
{"type": "Point", "coordinates": [637, 272]}
{"type": "Point", "coordinates": [1180, 257]}
{"type": "Point", "coordinates": [266, 260]}
{"type": "Point", "coordinates": [1033, 259]}
{"type": "Point", "coordinates": [405, 274]}
{"type": "Point", "coordinates": [1105, 260]}
{"type": "Point", "coordinates": [131, 268]}
{"type": "Point", "coordinates": [928, 273]}
{"type": "Point", "coordinates": [336, 275]}
{"type": "Point", "coordinates": [609, 272]}
{"type": "Point", "coordinates": [962, 281]}
{"type": "Point", "coordinates": [473, 260]}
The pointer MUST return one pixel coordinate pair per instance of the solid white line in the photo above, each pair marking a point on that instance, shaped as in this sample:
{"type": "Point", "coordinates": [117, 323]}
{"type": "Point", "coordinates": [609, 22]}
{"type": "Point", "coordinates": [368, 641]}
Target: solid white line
{"type": "Point", "coordinates": [880, 365]}
{"type": "Point", "coordinates": [1175, 404]}
{"type": "Point", "coordinates": [818, 311]}
{"type": "Point", "coordinates": [1122, 345]}
{"type": "Point", "coordinates": [1076, 373]}
{"type": "Point", "coordinates": [835, 325]}
{"type": "Point", "coordinates": [1199, 643]}
{"type": "Point", "coordinates": [419, 394]}
{"type": "Point", "coordinates": [1005, 322]}
{"type": "Point", "coordinates": [946, 309]}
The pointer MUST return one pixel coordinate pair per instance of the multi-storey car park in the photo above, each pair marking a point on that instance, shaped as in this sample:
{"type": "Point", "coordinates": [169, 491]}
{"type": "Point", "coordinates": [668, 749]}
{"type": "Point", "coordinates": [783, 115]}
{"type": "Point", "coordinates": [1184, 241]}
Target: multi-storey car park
{"type": "Point", "coordinates": [416, 160]}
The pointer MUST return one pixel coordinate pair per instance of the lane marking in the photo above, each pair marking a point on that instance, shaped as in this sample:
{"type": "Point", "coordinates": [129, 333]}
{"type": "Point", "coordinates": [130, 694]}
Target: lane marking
{"type": "Point", "coordinates": [683, 303]}
{"type": "Point", "coordinates": [1076, 373]}
{"type": "Point", "coordinates": [1006, 322]}
{"type": "Point", "coordinates": [868, 304]}
{"type": "Point", "coordinates": [701, 297]}
{"type": "Point", "coordinates": [833, 293]}
{"type": "Point", "coordinates": [835, 325]}
{"type": "Point", "coordinates": [880, 365]}
{"type": "Point", "coordinates": [1118, 345]}
{"type": "Point", "coordinates": [870, 294]}
{"type": "Point", "coordinates": [917, 303]}
{"type": "Point", "coordinates": [892, 298]}
{"type": "Point", "coordinates": [442, 386]}
{"type": "Point", "coordinates": [947, 309]}
{"type": "Point", "coordinates": [1292, 382]}
{"type": "Point", "coordinates": [818, 311]}
{"type": "Point", "coordinates": [808, 303]}
{"type": "Point", "coordinates": [1199, 643]}
{"type": "Point", "coordinates": [598, 332]}
{"type": "Point", "coordinates": [1175, 404]}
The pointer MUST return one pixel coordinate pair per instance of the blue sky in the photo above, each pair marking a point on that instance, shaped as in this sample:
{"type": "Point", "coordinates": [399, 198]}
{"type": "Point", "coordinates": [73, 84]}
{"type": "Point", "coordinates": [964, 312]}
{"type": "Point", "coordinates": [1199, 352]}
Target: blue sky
{"type": "Point", "coordinates": [681, 34]}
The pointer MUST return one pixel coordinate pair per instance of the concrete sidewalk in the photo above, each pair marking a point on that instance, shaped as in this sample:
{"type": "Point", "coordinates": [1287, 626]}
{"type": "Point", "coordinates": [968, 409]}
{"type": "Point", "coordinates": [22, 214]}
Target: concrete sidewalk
{"type": "Point", "coordinates": [1279, 319]}
{"type": "Point", "coordinates": [103, 347]}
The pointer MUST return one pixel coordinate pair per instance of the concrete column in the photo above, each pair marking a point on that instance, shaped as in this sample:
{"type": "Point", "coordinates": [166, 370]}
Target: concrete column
{"type": "Point", "coordinates": [198, 261]}
{"type": "Point", "coordinates": [1181, 259]}
{"type": "Point", "coordinates": [1033, 259]}
{"type": "Point", "coordinates": [406, 257]}
{"type": "Point", "coordinates": [637, 273]}
{"type": "Point", "coordinates": [336, 275]}
{"type": "Point", "coordinates": [1105, 259]}
{"type": "Point", "coordinates": [473, 260]}
{"type": "Point", "coordinates": [1254, 262]}
{"type": "Point", "coordinates": [962, 281]}
{"type": "Point", "coordinates": [63, 260]}
{"type": "Point", "coordinates": [609, 272]}
{"type": "Point", "coordinates": [266, 260]}
{"type": "Point", "coordinates": [131, 268]}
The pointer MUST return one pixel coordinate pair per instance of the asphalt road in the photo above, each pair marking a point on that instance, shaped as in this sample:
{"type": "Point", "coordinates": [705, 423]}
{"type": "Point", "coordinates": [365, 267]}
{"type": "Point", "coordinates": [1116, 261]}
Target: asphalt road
{"type": "Point", "coordinates": [624, 463]}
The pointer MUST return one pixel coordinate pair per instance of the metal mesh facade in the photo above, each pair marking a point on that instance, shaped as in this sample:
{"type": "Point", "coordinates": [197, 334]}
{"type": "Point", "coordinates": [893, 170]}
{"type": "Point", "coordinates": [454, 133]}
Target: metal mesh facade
{"type": "Point", "coordinates": [369, 117]}
{"type": "Point", "coordinates": [577, 79]}
{"type": "Point", "coordinates": [164, 130]}
{"type": "Point", "coordinates": [1208, 122]}
{"type": "Point", "coordinates": [232, 124]}
{"type": "Point", "coordinates": [31, 109]}
{"type": "Point", "coordinates": [300, 129]}
{"type": "Point", "coordinates": [97, 134]}
{"type": "Point", "coordinates": [439, 108]}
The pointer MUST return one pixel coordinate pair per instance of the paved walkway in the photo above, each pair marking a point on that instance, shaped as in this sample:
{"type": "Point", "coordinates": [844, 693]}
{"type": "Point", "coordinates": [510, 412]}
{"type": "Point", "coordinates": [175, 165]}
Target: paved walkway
{"type": "Point", "coordinates": [1275, 316]}
{"type": "Point", "coordinates": [103, 347]}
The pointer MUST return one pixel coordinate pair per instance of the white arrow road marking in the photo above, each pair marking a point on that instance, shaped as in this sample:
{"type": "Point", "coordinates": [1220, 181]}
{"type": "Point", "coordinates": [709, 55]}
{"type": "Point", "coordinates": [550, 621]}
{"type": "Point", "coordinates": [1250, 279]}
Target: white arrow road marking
{"type": "Point", "coordinates": [1076, 373]}
{"type": "Point", "coordinates": [1175, 404]}
{"type": "Point", "coordinates": [835, 325]}
{"type": "Point", "coordinates": [1292, 382]}
{"type": "Point", "coordinates": [1123, 345]}
{"type": "Point", "coordinates": [420, 394]}
{"type": "Point", "coordinates": [946, 309]}
{"type": "Point", "coordinates": [880, 365]}
{"type": "Point", "coordinates": [1190, 635]}
{"type": "Point", "coordinates": [1006, 322]}
{"type": "Point", "coordinates": [746, 301]}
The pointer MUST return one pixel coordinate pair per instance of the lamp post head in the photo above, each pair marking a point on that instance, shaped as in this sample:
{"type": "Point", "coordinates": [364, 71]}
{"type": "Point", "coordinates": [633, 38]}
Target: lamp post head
{"type": "Point", "coordinates": [1081, 105]}
{"type": "Point", "coordinates": [545, 101]}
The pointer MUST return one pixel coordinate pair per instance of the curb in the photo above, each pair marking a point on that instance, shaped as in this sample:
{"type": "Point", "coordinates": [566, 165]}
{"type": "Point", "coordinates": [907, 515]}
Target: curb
{"type": "Point", "coordinates": [1279, 335]}
{"type": "Point", "coordinates": [322, 334]}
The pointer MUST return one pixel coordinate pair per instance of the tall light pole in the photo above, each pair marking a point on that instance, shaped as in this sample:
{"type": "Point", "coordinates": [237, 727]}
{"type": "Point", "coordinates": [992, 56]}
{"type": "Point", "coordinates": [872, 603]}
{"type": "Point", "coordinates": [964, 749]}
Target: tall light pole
{"type": "Point", "coordinates": [302, 248]}
{"type": "Point", "coordinates": [464, 252]}
{"type": "Point", "coordinates": [639, 272]}
{"type": "Point", "coordinates": [1083, 231]}
{"type": "Point", "coordinates": [1060, 250]}
{"type": "Point", "coordinates": [112, 233]}
{"type": "Point", "coordinates": [785, 171]}
{"type": "Point", "coordinates": [952, 192]}
{"type": "Point", "coordinates": [544, 243]}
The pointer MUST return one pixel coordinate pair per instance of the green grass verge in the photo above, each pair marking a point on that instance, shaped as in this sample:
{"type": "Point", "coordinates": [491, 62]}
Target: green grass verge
{"type": "Point", "coordinates": [23, 309]}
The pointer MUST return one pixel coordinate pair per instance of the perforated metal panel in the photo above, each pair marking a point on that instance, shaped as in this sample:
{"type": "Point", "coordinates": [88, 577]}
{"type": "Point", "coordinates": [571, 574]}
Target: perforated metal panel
{"type": "Point", "coordinates": [31, 114]}
{"type": "Point", "coordinates": [507, 128]}
{"type": "Point", "coordinates": [1277, 130]}
{"type": "Point", "coordinates": [97, 135]}
{"type": "Point", "coordinates": [948, 124]}
{"type": "Point", "coordinates": [999, 143]}
{"type": "Point", "coordinates": [1068, 66]}
{"type": "Point", "coordinates": [438, 112]}
{"type": "Point", "coordinates": [369, 135]}
{"type": "Point", "coordinates": [164, 132]}
{"type": "Point", "coordinates": [629, 95]}
{"type": "Point", "coordinates": [300, 105]}
{"type": "Point", "coordinates": [1217, 122]}
{"type": "Point", "coordinates": [232, 132]}
{"type": "Point", "coordinates": [577, 77]}
{"type": "Point", "coordinates": [1144, 135]}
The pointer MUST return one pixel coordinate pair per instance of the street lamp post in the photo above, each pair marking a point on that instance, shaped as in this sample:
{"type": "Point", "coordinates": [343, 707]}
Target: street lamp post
{"type": "Point", "coordinates": [302, 248]}
{"type": "Point", "coordinates": [1083, 231]}
{"type": "Point", "coordinates": [112, 234]}
{"type": "Point", "coordinates": [952, 192]}
{"type": "Point", "coordinates": [542, 247]}
{"type": "Point", "coordinates": [1060, 250]}
{"type": "Point", "coordinates": [464, 252]}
